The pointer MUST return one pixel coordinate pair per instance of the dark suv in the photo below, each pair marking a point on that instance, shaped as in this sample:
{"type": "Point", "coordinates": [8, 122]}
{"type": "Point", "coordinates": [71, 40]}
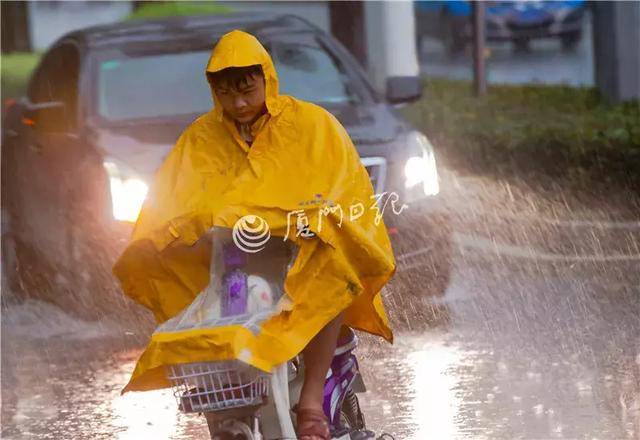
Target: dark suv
{"type": "Point", "coordinates": [107, 103]}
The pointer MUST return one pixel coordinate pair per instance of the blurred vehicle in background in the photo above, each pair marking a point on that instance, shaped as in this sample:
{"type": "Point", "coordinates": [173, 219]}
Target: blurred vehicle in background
{"type": "Point", "coordinates": [107, 103]}
{"type": "Point", "coordinates": [516, 21]}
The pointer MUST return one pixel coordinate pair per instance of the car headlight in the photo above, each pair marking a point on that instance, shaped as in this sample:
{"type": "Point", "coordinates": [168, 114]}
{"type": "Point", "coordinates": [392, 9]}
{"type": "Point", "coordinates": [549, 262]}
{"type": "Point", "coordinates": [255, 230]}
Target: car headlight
{"type": "Point", "coordinates": [127, 193]}
{"type": "Point", "coordinates": [422, 169]}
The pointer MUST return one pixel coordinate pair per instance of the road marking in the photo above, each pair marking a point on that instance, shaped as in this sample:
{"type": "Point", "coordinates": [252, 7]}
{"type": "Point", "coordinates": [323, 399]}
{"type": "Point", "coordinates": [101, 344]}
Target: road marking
{"type": "Point", "coordinates": [420, 251]}
{"type": "Point", "coordinates": [570, 223]}
{"type": "Point", "coordinates": [486, 245]}
{"type": "Point", "coordinates": [465, 241]}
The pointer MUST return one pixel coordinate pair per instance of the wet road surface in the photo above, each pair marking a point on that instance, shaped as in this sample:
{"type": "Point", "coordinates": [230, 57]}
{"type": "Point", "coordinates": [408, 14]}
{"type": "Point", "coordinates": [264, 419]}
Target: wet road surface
{"type": "Point", "coordinates": [536, 337]}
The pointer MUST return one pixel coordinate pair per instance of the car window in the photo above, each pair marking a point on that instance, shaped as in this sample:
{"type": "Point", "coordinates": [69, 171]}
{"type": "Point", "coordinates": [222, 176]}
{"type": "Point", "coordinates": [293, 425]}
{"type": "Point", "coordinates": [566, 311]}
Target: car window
{"type": "Point", "coordinates": [308, 72]}
{"type": "Point", "coordinates": [153, 86]}
{"type": "Point", "coordinates": [132, 86]}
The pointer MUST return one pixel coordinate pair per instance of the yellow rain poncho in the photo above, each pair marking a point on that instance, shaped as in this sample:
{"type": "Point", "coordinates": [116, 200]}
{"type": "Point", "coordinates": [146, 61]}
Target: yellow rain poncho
{"type": "Point", "coordinates": [301, 159]}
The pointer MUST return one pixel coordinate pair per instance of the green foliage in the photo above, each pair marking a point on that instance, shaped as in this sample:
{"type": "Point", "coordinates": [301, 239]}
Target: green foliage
{"type": "Point", "coordinates": [556, 129]}
{"type": "Point", "coordinates": [176, 8]}
{"type": "Point", "coordinates": [16, 68]}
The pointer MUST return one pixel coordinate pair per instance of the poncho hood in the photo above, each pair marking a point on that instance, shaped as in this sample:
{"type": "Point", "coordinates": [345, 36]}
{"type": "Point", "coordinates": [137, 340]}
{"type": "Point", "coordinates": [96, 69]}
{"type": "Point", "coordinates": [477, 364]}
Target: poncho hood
{"type": "Point", "coordinates": [240, 49]}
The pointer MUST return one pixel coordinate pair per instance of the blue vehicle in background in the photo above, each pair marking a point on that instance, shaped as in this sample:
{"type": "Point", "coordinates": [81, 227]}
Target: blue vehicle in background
{"type": "Point", "coordinates": [516, 21]}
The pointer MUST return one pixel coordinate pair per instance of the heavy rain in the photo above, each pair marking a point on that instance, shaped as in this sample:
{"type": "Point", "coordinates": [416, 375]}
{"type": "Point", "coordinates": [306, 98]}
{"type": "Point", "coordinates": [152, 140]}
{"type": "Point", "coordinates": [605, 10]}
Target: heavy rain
{"type": "Point", "coordinates": [515, 304]}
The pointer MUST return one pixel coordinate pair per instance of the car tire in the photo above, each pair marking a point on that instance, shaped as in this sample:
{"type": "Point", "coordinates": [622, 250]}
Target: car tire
{"type": "Point", "coordinates": [25, 274]}
{"type": "Point", "coordinates": [570, 41]}
{"type": "Point", "coordinates": [423, 247]}
{"type": "Point", "coordinates": [419, 38]}
{"type": "Point", "coordinates": [451, 35]}
{"type": "Point", "coordinates": [351, 415]}
{"type": "Point", "coordinates": [10, 279]}
{"type": "Point", "coordinates": [522, 45]}
{"type": "Point", "coordinates": [90, 247]}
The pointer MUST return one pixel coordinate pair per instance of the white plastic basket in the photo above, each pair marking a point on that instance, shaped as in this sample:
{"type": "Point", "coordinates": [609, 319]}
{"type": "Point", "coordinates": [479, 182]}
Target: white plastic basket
{"type": "Point", "coordinates": [214, 386]}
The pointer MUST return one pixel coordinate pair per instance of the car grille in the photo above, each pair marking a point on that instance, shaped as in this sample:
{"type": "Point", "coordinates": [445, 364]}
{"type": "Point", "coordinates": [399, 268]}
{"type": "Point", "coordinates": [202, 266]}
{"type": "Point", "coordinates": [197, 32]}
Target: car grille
{"type": "Point", "coordinates": [377, 169]}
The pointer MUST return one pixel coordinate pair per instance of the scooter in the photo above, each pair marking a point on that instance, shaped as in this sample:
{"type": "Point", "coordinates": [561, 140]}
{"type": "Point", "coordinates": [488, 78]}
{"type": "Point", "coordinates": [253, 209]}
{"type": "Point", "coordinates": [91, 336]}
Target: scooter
{"type": "Point", "coordinates": [241, 402]}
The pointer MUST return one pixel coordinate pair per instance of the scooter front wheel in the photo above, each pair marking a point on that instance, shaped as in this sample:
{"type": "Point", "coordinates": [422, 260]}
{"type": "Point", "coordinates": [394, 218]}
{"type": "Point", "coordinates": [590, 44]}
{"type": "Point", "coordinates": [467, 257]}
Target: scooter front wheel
{"type": "Point", "coordinates": [226, 435]}
{"type": "Point", "coordinates": [230, 430]}
{"type": "Point", "coordinates": [351, 414]}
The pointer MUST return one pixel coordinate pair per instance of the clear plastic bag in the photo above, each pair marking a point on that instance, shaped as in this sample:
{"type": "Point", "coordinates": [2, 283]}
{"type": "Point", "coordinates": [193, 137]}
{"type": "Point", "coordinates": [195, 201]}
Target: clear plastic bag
{"type": "Point", "coordinates": [245, 287]}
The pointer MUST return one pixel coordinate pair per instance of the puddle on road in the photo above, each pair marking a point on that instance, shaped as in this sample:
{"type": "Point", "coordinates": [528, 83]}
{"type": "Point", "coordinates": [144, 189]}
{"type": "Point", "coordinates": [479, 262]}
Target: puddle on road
{"type": "Point", "coordinates": [80, 398]}
{"type": "Point", "coordinates": [413, 396]}
{"type": "Point", "coordinates": [430, 387]}
{"type": "Point", "coordinates": [425, 386]}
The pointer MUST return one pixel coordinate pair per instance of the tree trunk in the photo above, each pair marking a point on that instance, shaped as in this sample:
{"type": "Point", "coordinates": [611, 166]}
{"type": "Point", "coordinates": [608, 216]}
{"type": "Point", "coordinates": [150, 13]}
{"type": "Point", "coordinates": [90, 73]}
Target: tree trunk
{"type": "Point", "coordinates": [348, 26]}
{"type": "Point", "coordinates": [15, 27]}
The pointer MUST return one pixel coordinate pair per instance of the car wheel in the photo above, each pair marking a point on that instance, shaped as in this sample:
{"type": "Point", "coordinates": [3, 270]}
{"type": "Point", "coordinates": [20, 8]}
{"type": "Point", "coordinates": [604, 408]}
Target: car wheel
{"type": "Point", "coordinates": [90, 247]}
{"type": "Point", "coordinates": [423, 248]}
{"type": "Point", "coordinates": [25, 274]}
{"type": "Point", "coordinates": [570, 41]}
{"type": "Point", "coordinates": [522, 45]}
{"type": "Point", "coordinates": [96, 285]}
{"type": "Point", "coordinates": [10, 279]}
{"type": "Point", "coordinates": [351, 415]}
{"type": "Point", "coordinates": [451, 36]}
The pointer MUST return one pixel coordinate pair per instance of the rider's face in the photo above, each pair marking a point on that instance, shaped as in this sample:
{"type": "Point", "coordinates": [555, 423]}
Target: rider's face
{"type": "Point", "coordinates": [245, 103]}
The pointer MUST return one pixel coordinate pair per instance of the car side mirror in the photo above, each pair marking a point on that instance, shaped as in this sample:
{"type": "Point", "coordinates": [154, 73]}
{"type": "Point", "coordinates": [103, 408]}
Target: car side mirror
{"type": "Point", "coordinates": [47, 116]}
{"type": "Point", "coordinates": [403, 89]}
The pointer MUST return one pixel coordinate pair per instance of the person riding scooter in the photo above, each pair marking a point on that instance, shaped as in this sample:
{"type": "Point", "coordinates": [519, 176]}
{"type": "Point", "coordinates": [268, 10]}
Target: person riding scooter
{"type": "Point", "coordinates": [261, 153]}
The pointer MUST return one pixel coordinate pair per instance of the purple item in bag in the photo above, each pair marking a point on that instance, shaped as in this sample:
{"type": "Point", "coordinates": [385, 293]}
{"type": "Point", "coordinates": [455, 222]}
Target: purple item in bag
{"type": "Point", "coordinates": [233, 257]}
{"type": "Point", "coordinates": [234, 300]}
{"type": "Point", "coordinates": [234, 282]}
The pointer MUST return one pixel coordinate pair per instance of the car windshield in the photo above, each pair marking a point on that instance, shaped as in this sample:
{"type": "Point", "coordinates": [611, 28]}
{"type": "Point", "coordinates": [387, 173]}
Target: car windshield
{"type": "Point", "coordinates": [164, 85]}
{"type": "Point", "coordinates": [153, 86]}
{"type": "Point", "coordinates": [311, 74]}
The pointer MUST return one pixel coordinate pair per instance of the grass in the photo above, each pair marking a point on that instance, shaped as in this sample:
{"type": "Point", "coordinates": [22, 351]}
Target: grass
{"type": "Point", "coordinates": [557, 130]}
{"type": "Point", "coordinates": [177, 8]}
{"type": "Point", "coordinates": [15, 71]}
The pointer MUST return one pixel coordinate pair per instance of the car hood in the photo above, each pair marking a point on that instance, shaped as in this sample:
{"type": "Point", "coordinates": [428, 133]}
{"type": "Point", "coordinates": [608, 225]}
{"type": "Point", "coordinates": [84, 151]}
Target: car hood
{"type": "Point", "coordinates": [143, 146]}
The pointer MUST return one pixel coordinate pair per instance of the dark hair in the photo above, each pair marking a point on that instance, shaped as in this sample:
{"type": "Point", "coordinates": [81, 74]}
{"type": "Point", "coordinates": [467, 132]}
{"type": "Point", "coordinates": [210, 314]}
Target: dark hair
{"type": "Point", "coordinates": [234, 76]}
